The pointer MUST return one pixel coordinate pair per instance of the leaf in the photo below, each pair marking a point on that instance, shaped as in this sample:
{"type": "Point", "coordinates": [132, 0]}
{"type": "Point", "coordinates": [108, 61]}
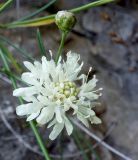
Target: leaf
{"type": "Point", "coordinates": [90, 5]}
{"type": "Point", "coordinates": [37, 11]}
{"type": "Point", "coordinates": [5, 5]}
{"type": "Point", "coordinates": [10, 74]}
{"type": "Point", "coordinates": [10, 57]}
{"type": "Point", "coordinates": [80, 145]}
{"type": "Point", "coordinates": [1, 5]}
{"type": "Point", "coordinates": [22, 51]}
{"type": "Point", "coordinates": [88, 144]}
{"type": "Point", "coordinates": [32, 23]}
{"type": "Point", "coordinates": [50, 19]}
{"type": "Point", "coordinates": [40, 43]}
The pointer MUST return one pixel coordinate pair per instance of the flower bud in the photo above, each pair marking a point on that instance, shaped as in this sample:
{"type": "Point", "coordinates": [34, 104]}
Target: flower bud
{"type": "Point", "coordinates": [65, 20]}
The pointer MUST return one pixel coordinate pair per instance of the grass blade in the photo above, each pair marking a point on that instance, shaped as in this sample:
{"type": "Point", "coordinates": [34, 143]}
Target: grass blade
{"type": "Point", "coordinates": [50, 19]}
{"type": "Point", "coordinates": [38, 11]}
{"type": "Point", "coordinates": [77, 140]}
{"type": "Point", "coordinates": [1, 4]}
{"type": "Point", "coordinates": [88, 144]}
{"type": "Point", "coordinates": [40, 43]}
{"type": "Point", "coordinates": [32, 23]}
{"type": "Point", "coordinates": [22, 51]}
{"type": "Point", "coordinates": [91, 5]}
{"type": "Point", "coordinates": [10, 58]}
{"type": "Point", "coordinates": [10, 74]}
{"type": "Point", "coordinates": [5, 5]}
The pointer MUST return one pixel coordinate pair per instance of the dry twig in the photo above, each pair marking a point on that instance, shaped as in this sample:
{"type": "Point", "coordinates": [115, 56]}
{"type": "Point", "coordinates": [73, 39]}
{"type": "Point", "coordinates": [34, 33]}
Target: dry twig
{"type": "Point", "coordinates": [5, 79]}
{"type": "Point", "coordinates": [104, 144]}
{"type": "Point", "coordinates": [9, 127]}
{"type": "Point", "coordinates": [29, 147]}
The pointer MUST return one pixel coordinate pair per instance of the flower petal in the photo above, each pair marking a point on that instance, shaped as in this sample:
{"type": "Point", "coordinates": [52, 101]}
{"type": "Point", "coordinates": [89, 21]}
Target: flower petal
{"type": "Point", "coordinates": [29, 99]}
{"type": "Point", "coordinates": [33, 116]}
{"type": "Point", "coordinates": [45, 116]}
{"type": "Point", "coordinates": [28, 78]}
{"type": "Point", "coordinates": [43, 100]}
{"type": "Point", "coordinates": [71, 66]}
{"type": "Point", "coordinates": [68, 126]}
{"type": "Point", "coordinates": [87, 87]}
{"type": "Point", "coordinates": [29, 65]}
{"type": "Point", "coordinates": [26, 109]}
{"type": "Point", "coordinates": [58, 114]}
{"type": "Point", "coordinates": [95, 120]}
{"type": "Point", "coordinates": [89, 95]}
{"type": "Point", "coordinates": [86, 111]}
{"type": "Point", "coordinates": [25, 92]}
{"type": "Point", "coordinates": [53, 122]}
{"type": "Point", "coordinates": [83, 120]}
{"type": "Point", "coordinates": [56, 130]}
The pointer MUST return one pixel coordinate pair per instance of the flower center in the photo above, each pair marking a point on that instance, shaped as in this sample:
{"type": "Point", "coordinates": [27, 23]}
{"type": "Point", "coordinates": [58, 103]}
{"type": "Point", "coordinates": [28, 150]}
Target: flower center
{"type": "Point", "coordinates": [67, 89]}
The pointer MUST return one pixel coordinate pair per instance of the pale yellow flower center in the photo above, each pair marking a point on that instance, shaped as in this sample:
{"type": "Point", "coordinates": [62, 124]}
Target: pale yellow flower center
{"type": "Point", "coordinates": [67, 89]}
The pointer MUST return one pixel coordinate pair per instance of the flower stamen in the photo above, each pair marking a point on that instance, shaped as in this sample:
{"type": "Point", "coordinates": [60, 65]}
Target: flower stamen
{"type": "Point", "coordinates": [66, 89]}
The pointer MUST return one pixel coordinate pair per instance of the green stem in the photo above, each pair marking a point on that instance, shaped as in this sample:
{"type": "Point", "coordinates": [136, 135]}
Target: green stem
{"type": "Point", "coordinates": [63, 37]}
{"type": "Point", "coordinates": [6, 4]}
{"type": "Point", "coordinates": [39, 140]}
{"type": "Point", "coordinates": [90, 5]}
{"type": "Point", "coordinates": [34, 128]}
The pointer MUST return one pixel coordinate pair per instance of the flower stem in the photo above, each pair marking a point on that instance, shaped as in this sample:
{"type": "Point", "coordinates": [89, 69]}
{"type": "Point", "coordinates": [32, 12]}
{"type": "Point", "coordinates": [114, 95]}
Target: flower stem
{"type": "Point", "coordinates": [63, 37]}
{"type": "Point", "coordinates": [39, 140]}
{"type": "Point", "coordinates": [33, 126]}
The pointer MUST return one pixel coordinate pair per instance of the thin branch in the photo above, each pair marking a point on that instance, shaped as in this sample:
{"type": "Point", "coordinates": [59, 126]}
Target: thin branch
{"type": "Point", "coordinates": [5, 79]}
{"type": "Point", "coordinates": [26, 144]}
{"type": "Point", "coordinates": [9, 127]}
{"type": "Point", "coordinates": [92, 135]}
{"type": "Point", "coordinates": [20, 138]}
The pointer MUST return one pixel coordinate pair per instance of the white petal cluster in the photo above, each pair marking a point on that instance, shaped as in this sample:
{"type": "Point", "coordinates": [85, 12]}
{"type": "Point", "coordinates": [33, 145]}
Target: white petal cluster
{"type": "Point", "coordinates": [53, 93]}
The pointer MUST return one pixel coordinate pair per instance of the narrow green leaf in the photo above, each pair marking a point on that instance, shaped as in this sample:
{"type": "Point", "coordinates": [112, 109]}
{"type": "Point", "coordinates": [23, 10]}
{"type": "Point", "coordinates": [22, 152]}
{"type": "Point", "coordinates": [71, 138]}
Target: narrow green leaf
{"type": "Point", "coordinates": [32, 23]}
{"type": "Point", "coordinates": [79, 144]}
{"type": "Point", "coordinates": [50, 19]}
{"type": "Point", "coordinates": [40, 43]}
{"type": "Point", "coordinates": [5, 5]}
{"type": "Point", "coordinates": [1, 5]}
{"type": "Point", "coordinates": [22, 51]}
{"type": "Point", "coordinates": [10, 57]}
{"type": "Point", "coordinates": [10, 74]}
{"type": "Point", "coordinates": [3, 26]}
{"type": "Point", "coordinates": [38, 11]}
{"type": "Point", "coordinates": [88, 144]}
{"type": "Point", "coordinates": [90, 5]}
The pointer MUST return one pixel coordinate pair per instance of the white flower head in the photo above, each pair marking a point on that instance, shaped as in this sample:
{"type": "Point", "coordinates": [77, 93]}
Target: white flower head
{"type": "Point", "coordinates": [53, 91]}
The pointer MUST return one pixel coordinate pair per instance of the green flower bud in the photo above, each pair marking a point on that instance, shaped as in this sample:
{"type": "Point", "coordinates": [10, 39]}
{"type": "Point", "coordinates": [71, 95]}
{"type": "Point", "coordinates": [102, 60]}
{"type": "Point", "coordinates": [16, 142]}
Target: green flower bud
{"type": "Point", "coordinates": [65, 20]}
